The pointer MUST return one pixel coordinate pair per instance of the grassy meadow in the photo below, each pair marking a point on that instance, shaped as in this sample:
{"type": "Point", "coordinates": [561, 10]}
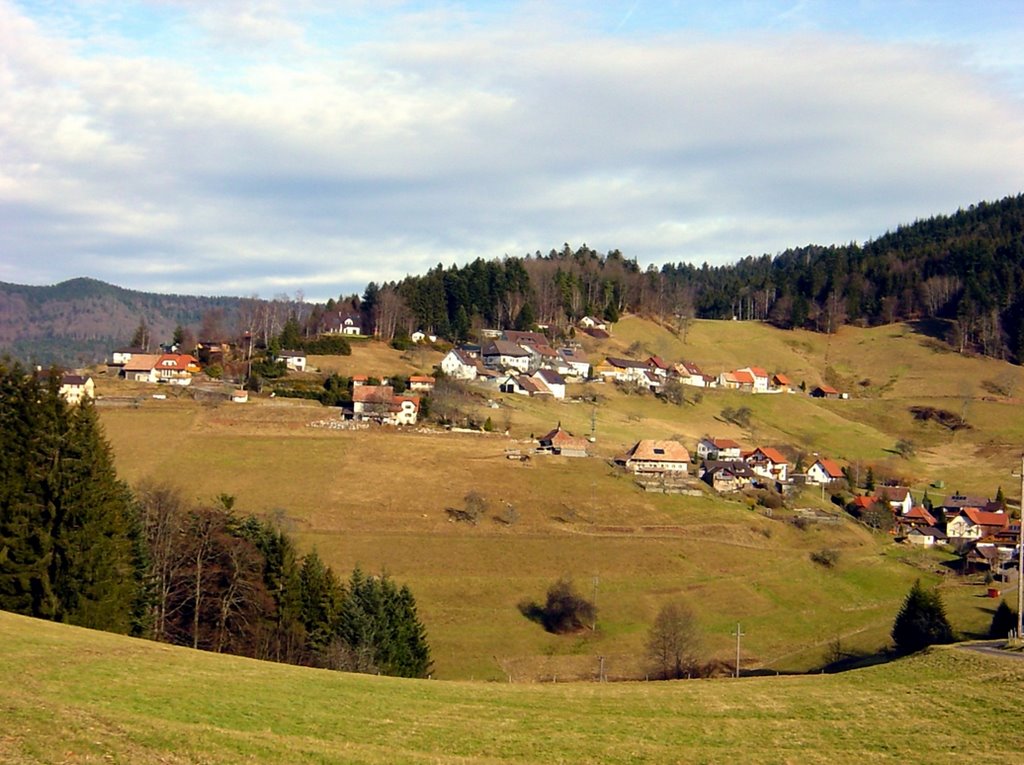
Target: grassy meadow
{"type": "Point", "coordinates": [377, 498]}
{"type": "Point", "coordinates": [78, 696]}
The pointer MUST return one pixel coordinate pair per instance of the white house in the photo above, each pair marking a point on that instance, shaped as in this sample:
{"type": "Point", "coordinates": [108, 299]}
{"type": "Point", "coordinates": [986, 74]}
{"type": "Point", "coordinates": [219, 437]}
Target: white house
{"type": "Point", "coordinates": [898, 497]}
{"type": "Point", "coordinates": [141, 367]}
{"type": "Point", "coordinates": [824, 472]}
{"type": "Point", "coordinates": [293, 360]}
{"type": "Point", "coordinates": [590, 322]}
{"type": "Point", "coordinates": [503, 354]}
{"type": "Point", "coordinates": [121, 356]}
{"type": "Point", "coordinates": [689, 374]}
{"type": "Point", "coordinates": [761, 378]}
{"type": "Point", "coordinates": [76, 388]}
{"type": "Point", "coordinates": [421, 382]}
{"type": "Point", "coordinates": [718, 449]}
{"type": "Point", "coordinates": [554, 382]}
{"type": "Point", "coordinates": [523, 385]}
{"type": "Point", "coordinates": [970, 523]}
{"type": "Point", "coordinates": [459, 365]}
{"type": "Point", "coordinates": [576, 361]}
{"type": "Point", "coordinates": [769, 463]}
{"type": "Point", "coordinates": [403, 410]}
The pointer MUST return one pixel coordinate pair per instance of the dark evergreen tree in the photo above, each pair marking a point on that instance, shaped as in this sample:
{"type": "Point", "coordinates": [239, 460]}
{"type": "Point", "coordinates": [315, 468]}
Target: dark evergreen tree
{"type": "Point", "coordinates": [1004, 621]}
{"type": "Point", "coordinates": [921, 621]}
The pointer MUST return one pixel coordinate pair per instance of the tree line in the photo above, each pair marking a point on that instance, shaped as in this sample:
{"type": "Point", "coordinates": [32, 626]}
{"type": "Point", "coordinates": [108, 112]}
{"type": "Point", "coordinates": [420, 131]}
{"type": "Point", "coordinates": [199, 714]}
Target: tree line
{"type": "Point", "coordinates": [965, 269]}
{"type": "Point", "coordinates": [78, 546]}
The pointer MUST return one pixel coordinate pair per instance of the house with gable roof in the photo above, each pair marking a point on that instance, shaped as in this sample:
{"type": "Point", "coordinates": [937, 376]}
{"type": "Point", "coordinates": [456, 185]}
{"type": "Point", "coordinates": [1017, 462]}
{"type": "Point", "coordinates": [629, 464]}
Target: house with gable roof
{"type": "Point", "coordinates": [760, 378]}
{"type": "Point", "coordinates": [727, 475]}
{"type": "Point", "coordinates": [737, 380]}
{"type": "Point", "coordinates": [559, 441]}
{"type": "Point", "coordinates": [824, 471]}
{"type": "Point", "coordinates": [459, 365]}
{"type": "Point", "coordinates": [659, 457]}
{"type": "Point", "coordinates": [504, 355]}
{"type": "Point", "coordinates": [76, 388]}
{"type": "Point", "coordinates": [769, 463]}
{"type": "Point", "coordinates": [898, 498]}
{"type": "Point", "coordinates": [690, 374]}
{"type": "Point", "coordinates": [971, 523]}
{"type": "Point", "coordinates": [553, 381]}
{"type": "Point", "coordinates": [709, 448]}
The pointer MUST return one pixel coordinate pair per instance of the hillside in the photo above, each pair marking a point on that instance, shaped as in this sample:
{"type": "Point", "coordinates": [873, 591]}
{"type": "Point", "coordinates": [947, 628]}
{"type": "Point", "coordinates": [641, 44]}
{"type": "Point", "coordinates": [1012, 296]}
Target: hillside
{"type": "Point", "coordinates": [90, 697]}
{"type": "Point", "coordinates": [80, 320]}
{"type": "Point", "coordinates": [378, 498]}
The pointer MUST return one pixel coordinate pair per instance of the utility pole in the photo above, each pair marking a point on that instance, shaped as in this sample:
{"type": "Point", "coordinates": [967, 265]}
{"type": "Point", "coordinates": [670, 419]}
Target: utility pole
{"type": "Point", "coordinates": [1020, 555]}
{"type": "Point", "coordinates": [738, 633]}
{"type": "Point", "coordinates": [593, 627]}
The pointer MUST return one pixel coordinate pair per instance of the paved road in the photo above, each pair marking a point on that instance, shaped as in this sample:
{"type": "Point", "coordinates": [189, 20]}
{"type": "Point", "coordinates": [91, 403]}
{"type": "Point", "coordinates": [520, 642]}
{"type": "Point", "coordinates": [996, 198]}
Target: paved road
{"type": "Point", "coordinates": [992, 648]}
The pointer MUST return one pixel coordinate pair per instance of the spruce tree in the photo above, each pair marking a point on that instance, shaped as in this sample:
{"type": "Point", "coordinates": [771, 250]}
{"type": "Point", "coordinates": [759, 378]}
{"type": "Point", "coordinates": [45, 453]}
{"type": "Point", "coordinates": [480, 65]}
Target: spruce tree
{"type": "Point", "coordinates": [921, 621]}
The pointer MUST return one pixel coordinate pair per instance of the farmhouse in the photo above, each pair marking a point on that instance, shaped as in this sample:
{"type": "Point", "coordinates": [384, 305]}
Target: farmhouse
{"type": "Point", "coordinates": [562, 442]}
{"type": "Point", "coordinates": [141, 367]}
{"type": "Point", "coordinates": [781, 382]}
{"type": "Point", "coordinates": [657, 457]}
{"type": "Point", "coordinates": [658, 366]}
{"type": "Point", "coordinates": [380, 404]}
{"type": "Point", "coordinates": [916, 518]}
{"type": "Point", "coordinates": [718, 449]}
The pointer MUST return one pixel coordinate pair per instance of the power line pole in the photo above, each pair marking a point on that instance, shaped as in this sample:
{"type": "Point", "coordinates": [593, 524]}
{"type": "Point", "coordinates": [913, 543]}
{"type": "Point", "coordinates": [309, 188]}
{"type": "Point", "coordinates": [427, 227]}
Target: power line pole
{"type": "Point", "coordinates": [1020, 555]}
{"type": "Point", "coordinates": [738, 633]}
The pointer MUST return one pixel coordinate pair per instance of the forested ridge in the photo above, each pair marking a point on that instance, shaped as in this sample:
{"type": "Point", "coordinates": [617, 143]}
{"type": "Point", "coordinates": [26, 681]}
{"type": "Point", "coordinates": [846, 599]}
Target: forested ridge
{"type": "Point", "coordinates": [965, 269]}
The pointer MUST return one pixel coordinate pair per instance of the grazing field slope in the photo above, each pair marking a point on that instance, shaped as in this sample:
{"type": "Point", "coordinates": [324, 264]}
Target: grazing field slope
{"type": "Point", "coordinates": [378, 498]}
{"type": "Point", "coordinates": [88, 697]}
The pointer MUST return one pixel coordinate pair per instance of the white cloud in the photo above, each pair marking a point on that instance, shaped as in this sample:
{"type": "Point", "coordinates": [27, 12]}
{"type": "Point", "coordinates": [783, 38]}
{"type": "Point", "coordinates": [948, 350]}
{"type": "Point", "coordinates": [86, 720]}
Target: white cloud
{"type": "Point", "coordinates": [323, 168]}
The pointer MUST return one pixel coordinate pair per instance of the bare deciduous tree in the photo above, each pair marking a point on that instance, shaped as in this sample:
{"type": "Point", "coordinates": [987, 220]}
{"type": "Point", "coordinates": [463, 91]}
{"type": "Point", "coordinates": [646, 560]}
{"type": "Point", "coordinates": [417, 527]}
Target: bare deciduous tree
{"type": "Point", "coordinates": [673, 643]}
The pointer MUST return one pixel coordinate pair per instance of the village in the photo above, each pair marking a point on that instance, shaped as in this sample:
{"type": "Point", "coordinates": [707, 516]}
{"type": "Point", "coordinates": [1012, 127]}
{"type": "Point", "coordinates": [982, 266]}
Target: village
{"type": "Point", "coordinates": [530, 364]}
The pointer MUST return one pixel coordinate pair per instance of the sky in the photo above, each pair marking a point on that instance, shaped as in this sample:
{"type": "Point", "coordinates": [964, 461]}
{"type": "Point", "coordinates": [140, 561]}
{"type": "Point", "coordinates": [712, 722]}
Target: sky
{"type": "Point", "coordinates": [306, 148]}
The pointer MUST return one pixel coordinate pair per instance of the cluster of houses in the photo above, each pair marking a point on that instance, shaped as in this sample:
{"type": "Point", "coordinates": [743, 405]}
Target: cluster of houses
{"type": "Point", "coordinates": [380, 404]}
{"type": "Point", "coordinates": [518, 362]}
{"type": "Point", "coordinates": [137, 365]}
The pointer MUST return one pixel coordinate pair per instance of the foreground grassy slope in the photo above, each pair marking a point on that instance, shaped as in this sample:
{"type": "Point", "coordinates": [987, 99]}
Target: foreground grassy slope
{"type": "Point", "coordinates": [74, 695]}
{"type": "Point", "coordinates": [378, 498]}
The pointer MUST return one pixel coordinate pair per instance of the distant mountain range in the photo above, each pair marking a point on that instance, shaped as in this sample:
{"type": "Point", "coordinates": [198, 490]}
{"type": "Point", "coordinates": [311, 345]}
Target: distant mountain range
{"type": "Point", "coordinates": [965, 270]}
{"type": "Point", "coordinates": [77, 322]}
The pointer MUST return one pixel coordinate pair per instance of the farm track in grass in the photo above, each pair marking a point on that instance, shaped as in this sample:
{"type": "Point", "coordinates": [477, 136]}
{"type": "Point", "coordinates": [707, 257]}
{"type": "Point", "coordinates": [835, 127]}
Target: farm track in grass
{"type": "Point", "coordinates": [86, 697]}
{"type": "Point", "coordinates": [378, 498]}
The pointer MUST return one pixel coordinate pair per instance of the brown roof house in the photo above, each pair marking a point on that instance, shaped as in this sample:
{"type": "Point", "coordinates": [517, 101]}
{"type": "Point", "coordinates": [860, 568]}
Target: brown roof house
{"type": "Point", "coordinates": [657, 457]}
{"type": "Point", "coordinates": [562, 442]}
{"type": "Point", "coordinates": [728, 475]}
{"type": "Point", "coordinates": [824, 472]}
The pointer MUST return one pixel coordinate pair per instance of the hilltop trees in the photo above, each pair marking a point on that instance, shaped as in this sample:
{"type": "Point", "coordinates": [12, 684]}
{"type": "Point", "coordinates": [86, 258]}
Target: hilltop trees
{"type": "Point", "coordinates": [69, 533]}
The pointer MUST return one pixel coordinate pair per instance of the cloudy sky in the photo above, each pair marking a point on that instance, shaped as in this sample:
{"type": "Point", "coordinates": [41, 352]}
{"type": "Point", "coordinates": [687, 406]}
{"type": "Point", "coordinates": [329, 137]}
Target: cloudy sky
{"type": "Point", "coordinates": [274, 146]}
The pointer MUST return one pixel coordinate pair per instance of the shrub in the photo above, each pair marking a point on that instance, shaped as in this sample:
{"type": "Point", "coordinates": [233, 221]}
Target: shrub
{"type": "Point", "coordinates": [564, 611]}
{"type": "Point", "coordinates": [827, 557]}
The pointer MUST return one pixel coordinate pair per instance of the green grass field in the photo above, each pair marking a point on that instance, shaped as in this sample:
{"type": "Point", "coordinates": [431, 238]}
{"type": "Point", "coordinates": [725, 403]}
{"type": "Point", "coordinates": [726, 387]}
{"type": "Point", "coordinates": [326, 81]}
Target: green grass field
{"type": "Point", "coordinates": [76, 696]}
{"type": "Point", "coordinates": [377, 498]}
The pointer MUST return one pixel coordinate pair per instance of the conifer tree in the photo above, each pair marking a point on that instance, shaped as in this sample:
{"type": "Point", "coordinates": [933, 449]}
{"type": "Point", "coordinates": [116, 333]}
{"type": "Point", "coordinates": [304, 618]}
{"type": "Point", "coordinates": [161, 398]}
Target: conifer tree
{"type": "Point", "coordinates": [921, 621]}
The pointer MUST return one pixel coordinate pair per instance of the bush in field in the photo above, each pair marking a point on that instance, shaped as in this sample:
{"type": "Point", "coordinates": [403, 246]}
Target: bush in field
{"type": "Point", "coordinates": [564, 611]}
